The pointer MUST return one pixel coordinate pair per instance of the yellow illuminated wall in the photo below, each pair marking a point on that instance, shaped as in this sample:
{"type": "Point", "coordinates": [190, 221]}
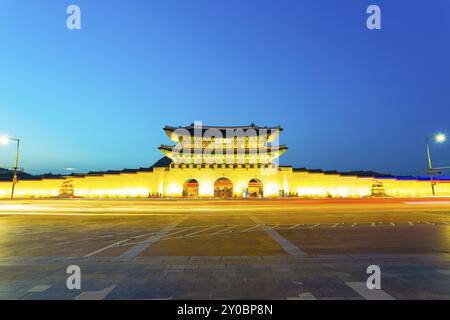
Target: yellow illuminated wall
{"type": "Point", "coordinates": [168, 182]}
{"type": "Point", "coordinates": [32, 188]}
{"type": "Point", "coordinates": [175, 178]}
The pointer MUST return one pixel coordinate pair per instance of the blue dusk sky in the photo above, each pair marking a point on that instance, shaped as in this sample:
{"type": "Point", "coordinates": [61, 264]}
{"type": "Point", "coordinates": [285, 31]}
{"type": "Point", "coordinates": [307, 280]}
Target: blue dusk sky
{"type": "Point", "coordinates": [348, 98]}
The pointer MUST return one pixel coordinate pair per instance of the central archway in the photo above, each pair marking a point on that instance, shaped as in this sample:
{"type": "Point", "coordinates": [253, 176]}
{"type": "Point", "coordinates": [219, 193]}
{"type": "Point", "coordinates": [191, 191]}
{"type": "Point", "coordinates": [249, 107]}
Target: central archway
{"type": "Point", "coordinates": [223, 188]}
{"type": "Point", "coordinates": [255, 188]}
{"type": "Point", "coordinates": [190, 189]}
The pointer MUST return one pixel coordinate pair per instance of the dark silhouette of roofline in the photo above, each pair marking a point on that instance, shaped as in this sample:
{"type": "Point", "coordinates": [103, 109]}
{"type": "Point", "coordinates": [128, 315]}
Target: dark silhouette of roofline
{"type": "Point", "coordinates": [192, 126]}
{"type": "Point", "coordinates": [269, 149]}
{"type": "Point", "coordinates": [164, 162]}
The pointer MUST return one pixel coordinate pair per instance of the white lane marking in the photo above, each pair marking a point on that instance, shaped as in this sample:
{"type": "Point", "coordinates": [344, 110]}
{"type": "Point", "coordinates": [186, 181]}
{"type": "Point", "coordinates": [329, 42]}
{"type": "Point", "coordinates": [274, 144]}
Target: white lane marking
{"type": "Point", "coordinates": [303, 296]}
{"type": "Point", "coordinates": [410, 223]}
{"type": "Point", "coordinates": [30, 233]}
{"type": "Point", "coordinates": [179, 231]}
{"type": "Point", "coordinates": [353, 225]}
{"type": "Point", "coordinates": [106, 236]}
{"type": "Point", "coordinates": [284, 243]}
{"type": "Point", "coordinates": [362, 290]}
{"type": "Point", "coordinates": [168, 298]}
{"type": "Point", "coordinates": [140, 247]}
{"type": "Point", "coordinates": [275, 226]}
{"type": "Point", "coordinates": [200, 231]}
{"type": "Point", "coordinates": [35, 248]}
{"type": "Point", "coordinates": [95, 295]}
{"type": "Point", "coordinates": [335, 225]}
{"type": "Point", "coordinates": [251, 228]}
{"type": "Point", "coordinates": [227, 229]}
{"type": "Point", "coordinates": [116, 244]}
{"type": "Point", "coordinates": [294, 226]}
{"type": "Point", "coordinates": [41, 288]}
{"type": "Point", "coordinates": [316, 225]}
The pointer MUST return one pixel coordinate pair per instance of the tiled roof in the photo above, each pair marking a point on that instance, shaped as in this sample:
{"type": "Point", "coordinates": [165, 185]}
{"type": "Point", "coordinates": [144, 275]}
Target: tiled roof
{"type": "Point", "coordinates": [256, 150]}
{"type": "Point", "coordinates": [222, 129]}
{"type": "Point", "coordinates": [6, 175]}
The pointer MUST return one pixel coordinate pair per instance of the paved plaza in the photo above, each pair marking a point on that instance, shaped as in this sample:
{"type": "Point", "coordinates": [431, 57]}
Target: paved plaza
{"type": "Point", "coordinates": [217, 249]}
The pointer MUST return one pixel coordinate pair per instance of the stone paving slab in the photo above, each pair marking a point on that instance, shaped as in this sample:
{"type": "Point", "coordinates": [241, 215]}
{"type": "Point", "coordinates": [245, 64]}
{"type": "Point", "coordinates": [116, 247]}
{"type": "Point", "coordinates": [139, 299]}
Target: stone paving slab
{"type": "Point", "coordinates": [276, 279]}
{"type": "Point", "coordinates": [225, 254]}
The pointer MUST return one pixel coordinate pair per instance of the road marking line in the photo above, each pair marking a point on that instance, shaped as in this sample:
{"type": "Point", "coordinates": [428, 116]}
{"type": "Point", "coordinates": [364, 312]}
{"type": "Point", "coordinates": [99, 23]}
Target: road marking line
{"type": "Point", "coordinates": [106, 236]}
{"type": "Point", "coordinates": [32, 233]}
{"type": "Point", "coordinates": [95, 295]}
{"type": "Point", "coordinates": [116, 244]}
{"type": "Point", "coordinates": [410, 223]}
{"type": "Point", "coordinates": [34, 248]}
{"type": "Point", "coordinates": [353, 225]}
{"type": "Point", "coordinates": [362, 290]}
{"type": "Point", "coordinates": [392, 224]}
{"type": "Point", "coordinates": [294, 226]}
{"type": "Point", "coordinates": [316, 225]}
{"type": "Point", "coordinates": [41, 288]}
{"type": "Point", "coordinates": [284, 243]}
{"type": "Point", "coordinates": [200, 231]}
{"type": "Point", "coordinates": [303, 296]}
{"type": "Point", "coordinates": [251, 228]}
{"type": "Point", "coordinates": [335, 225]}
{"type": "Point", "coordinates": [142, 246]}
{"type": "Point", "coordinates": [227, 229]}
{"type": "Point", "coordinates": [179, 231]}
{"type": "Point", "coordinates": [167, 298]}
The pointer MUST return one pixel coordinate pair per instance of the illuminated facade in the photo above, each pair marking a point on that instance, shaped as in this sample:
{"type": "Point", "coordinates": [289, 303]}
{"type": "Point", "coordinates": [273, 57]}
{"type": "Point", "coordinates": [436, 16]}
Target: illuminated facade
{"type": "Point", "coordinates": [223, 162]}
{"type": "Point", "coordinates": [201, 145]}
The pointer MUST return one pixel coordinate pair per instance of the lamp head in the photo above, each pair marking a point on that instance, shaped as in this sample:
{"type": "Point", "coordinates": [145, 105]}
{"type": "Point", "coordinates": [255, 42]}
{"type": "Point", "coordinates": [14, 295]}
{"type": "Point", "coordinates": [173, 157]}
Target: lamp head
{"type": "Point", "coordinates": [440, 137]}
{"type": "Point", "coordinates": [4, 139]}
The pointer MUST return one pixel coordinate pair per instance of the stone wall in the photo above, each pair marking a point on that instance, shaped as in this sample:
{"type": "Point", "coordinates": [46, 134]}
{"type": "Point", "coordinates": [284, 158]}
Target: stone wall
{"type": "Point", "coordinates": [169, 182]}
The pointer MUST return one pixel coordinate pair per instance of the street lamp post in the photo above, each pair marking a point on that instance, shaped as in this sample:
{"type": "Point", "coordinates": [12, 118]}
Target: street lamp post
{"type": "Point", "coordinates": [438, 138]}
{"type": "Point", "coordinates": [4, 140]}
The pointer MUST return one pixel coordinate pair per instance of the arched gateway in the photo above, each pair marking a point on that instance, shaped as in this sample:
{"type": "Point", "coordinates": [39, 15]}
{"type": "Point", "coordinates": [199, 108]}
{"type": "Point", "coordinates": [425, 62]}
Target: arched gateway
{"type": "Point", "coordinates": [223, 188]}
{"type": "Point", "coordinates": [210, 152]}
{"type": "Point", "coordinates": [190, 189]}
{"type": "Point", "coordinates": [255, 188]}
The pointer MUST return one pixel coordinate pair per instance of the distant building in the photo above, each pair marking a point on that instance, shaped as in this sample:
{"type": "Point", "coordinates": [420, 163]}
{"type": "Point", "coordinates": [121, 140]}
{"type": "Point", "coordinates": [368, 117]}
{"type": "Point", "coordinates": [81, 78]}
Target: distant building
{"type": "Point", "coordinates": [223, 162]}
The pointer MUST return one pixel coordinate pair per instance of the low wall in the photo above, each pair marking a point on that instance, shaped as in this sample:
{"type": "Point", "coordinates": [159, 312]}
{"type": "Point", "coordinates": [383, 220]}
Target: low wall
{"type": "Point", "coordinates": [32, 188]}
{"type": "Point", "coordinates": [415, 188]}
{"type": "Point", "coordinates": [163, 182]}
{"type": "Point", "coordinates": [306, 184]}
